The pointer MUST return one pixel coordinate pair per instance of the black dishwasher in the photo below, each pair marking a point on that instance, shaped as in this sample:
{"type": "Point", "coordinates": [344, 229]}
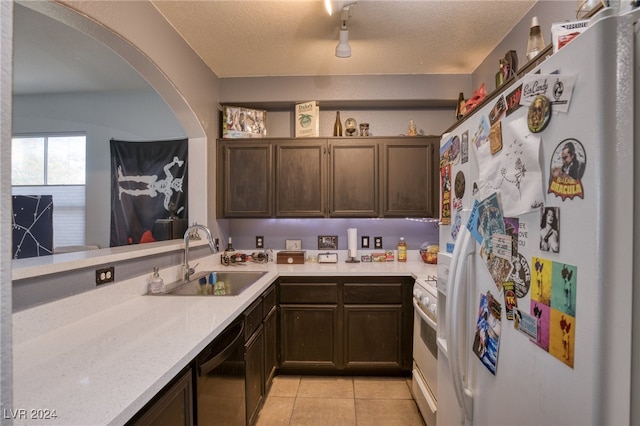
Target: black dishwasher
{"type": "Point", "coordinates": [221, 376]}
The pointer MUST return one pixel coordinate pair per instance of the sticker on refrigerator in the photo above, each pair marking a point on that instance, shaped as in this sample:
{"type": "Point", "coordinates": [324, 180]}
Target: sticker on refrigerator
{"type": "Point", "coordinates": [486, 342]}
{"type": "Point", "coordinates": [455, 225]}
{"type": "Point", "coordinates": [445, 185]}
{"type": "Point", "coordinates": [525, 323]}
{"type": "Point", "coordinates": [568, 164]}
{"type": "Point", "coordinates": [511, 225]}
{"type": "Point", "coordinates": [495, 138]}
{"type": "Point", "coordinates": [556, 314]}
{"type": "Point", "coordinates": [481, 136]}
{"type": "Point", "coordinates": [556, 86]}
{"type": "Point", "coordinates": [450, 151]}
{"type": "Point", "coordinates": [521, 276]}
{"type": "Point", "coordinates": [498, 109]}
{"type": "Point", "coordinates": [550, 229]}
{"type": "Point", "coordinates": [510, 299]}
{"type": "Point", "coordinates": [464, 147]}
{"type": "Point", "coordinates": [513, 100]}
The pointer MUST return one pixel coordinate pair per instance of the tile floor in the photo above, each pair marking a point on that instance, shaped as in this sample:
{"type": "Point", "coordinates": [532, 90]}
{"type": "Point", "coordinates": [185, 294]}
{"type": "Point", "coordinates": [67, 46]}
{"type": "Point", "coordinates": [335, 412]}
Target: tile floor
{"type": "Point", "coordinates": [311, 400]}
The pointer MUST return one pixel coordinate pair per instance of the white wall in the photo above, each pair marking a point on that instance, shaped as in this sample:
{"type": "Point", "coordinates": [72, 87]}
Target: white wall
{"type": "Point", "coordinates": [103, 116]}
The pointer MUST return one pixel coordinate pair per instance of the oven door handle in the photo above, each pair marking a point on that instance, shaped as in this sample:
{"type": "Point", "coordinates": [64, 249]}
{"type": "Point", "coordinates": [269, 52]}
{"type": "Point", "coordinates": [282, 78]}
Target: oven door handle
{"type": "Point", "coordinates": [212, 363]}
{"type": "Point", "coordinates": [424, 316]}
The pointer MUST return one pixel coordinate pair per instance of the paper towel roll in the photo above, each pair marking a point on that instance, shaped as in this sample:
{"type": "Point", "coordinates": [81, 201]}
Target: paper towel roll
{"type": "Point", "coordinates": [352, 242]}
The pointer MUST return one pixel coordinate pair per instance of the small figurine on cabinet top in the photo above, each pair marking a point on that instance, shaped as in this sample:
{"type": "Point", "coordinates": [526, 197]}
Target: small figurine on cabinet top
{"type": "Point", "coordinates": [412, 128]}
{"type": "Point", "coordinates": [364, 129]}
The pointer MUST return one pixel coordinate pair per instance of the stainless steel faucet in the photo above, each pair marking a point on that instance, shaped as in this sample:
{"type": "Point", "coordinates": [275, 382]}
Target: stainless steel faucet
{"type": "Point", "coordinates": [186, 270]}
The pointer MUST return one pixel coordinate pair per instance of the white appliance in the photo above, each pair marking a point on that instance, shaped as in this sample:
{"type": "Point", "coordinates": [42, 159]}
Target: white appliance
{"type": "Point", "coordinates": [569, 362]}
{"type": "Point", "coordinates": [425, 349]}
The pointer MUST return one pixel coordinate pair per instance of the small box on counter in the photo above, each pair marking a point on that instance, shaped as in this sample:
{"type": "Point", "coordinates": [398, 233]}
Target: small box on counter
{"type": "Point", "coordinates": [379, 257]}
{"type": "Point", "coordinates": [290, 257]}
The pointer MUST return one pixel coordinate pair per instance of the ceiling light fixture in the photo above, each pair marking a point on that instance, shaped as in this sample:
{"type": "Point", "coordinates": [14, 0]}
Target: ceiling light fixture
{"type": "Point", "coordinates": [343, 49]}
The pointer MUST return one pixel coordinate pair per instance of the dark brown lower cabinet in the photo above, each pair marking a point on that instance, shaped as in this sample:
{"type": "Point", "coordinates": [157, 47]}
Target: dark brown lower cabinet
{"type": "Point", "coordinates": [172, 406]}
{"type": "Point", "coordinates": [254, 358]}
{"type": "Point", "coordinates": [270, 347]}
{"type": "Point", "coordinates": [309, 335]}
{"type": "Point", "coordinates": [373, 337]}
{"type": "Point", "coordinates": [346, 324]}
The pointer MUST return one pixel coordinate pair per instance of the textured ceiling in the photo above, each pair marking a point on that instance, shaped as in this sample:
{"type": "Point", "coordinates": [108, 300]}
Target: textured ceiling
{"type": "Point", "coordinates": [274, 38]}
{"type": "Point", "coordinates": [294, 38]}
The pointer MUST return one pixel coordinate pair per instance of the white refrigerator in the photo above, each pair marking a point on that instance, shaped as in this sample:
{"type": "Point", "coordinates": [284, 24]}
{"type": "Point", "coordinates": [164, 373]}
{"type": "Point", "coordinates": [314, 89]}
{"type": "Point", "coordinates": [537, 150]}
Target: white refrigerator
{"type": "Point", "coordinates": [535, 273]}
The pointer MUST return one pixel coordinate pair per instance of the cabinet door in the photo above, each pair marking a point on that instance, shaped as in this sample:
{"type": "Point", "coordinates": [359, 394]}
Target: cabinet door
{"type": "Point", "coordinates": [245, 179]}
{"type": "Point", "coordinates": [173, 406]}
{"type": "Point", "coordinates": [270, 348]}
{"type": "Point", "coordinates": [254, 358]}
{"type": "Point", "coordinates": [410, 177]}
{"type": "Point", "coordinates": [353, 178]}
{"type": "Point", "coordinates": [309, 336]}
{"type": "Point", "coordinates": [373, 336]}
{"type": "Point", "coordinates": [301, 179]}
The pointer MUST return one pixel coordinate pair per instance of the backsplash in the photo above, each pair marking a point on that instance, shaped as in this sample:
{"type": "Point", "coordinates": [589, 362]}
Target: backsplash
{"type": "Point", "coordinates": [276, 231]}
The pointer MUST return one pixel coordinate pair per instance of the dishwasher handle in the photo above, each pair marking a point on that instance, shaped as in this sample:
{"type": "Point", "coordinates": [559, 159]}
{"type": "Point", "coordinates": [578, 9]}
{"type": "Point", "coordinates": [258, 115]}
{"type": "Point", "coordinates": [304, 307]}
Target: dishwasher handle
{"type": "Point", "coordinates": [209, 365]}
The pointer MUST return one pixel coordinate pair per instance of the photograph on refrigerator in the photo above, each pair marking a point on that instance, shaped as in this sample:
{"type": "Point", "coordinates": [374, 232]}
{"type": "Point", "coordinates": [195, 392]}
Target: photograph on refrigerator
{"type": "Point", "coordinates": [486, 342]}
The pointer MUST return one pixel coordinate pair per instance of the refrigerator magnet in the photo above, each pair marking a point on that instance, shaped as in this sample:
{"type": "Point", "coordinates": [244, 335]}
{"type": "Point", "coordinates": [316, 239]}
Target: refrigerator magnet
{"type": "Point", "coordinates": [568, 164]}
{"type": "Point", "coordinates": [459, 185]}
{"type": "Point", "coordinates": [495, 138]}
{"type": "Point", "coordinates": [539, 114]}
{"type": "Point", "coordinates": [464, 147]}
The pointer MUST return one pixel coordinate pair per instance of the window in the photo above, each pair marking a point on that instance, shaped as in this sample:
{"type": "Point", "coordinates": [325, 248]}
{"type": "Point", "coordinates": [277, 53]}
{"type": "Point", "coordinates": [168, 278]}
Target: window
{"type": "Point", "coordinates": [54, 164]}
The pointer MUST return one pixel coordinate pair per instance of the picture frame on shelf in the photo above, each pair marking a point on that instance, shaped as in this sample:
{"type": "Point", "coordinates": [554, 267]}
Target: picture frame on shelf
{"type": "Point", "coordinates": [241, 122]}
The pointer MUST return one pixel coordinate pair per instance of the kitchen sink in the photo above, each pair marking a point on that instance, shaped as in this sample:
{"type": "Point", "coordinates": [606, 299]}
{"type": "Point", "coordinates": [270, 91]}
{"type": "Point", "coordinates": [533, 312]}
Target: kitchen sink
{"type": "Point", "coordinates": [235, 282]}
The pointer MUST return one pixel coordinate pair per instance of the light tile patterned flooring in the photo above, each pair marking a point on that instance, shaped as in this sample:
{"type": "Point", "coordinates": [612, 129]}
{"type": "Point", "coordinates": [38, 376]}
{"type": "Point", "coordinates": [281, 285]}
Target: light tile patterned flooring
{"type": "Point", "coordinates": [361, 401]}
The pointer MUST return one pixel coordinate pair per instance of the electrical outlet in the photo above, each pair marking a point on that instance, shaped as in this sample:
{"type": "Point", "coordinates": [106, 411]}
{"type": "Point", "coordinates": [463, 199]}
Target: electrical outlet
{"type": "Point", "coordinates": [377, 242]}
{"type": "Point", "coordinates": [259, 242]}
{"type": "Point", "coordinates": [105, 275]}
{"type": "Point", "coordinates": [364, 242]}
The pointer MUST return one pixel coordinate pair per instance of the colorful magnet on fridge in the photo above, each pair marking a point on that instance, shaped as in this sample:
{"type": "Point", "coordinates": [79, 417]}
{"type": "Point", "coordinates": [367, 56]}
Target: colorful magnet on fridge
{"type": "Point", "coordinates": [568, 164]}
{"type": "Point", "coordinates": [539, 114]}
{"type": "Point", "coordinates": [459, 185]}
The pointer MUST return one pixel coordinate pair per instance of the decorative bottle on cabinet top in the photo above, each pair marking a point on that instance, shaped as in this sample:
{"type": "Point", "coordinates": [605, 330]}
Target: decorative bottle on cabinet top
{"type": "Point", "coordinates": [535, 44]}
{"type": "Point", "coordinates": [337, 127]}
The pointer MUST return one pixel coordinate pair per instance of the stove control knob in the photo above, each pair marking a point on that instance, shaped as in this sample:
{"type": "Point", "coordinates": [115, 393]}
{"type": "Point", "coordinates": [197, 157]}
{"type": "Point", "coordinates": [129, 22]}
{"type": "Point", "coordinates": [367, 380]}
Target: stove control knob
{"type": "Point", "coordinates": [426, 301]}
{"type": "Point", "coordinates": [433, 308]}
{"type": "Point", "coordinates": [417, 293]}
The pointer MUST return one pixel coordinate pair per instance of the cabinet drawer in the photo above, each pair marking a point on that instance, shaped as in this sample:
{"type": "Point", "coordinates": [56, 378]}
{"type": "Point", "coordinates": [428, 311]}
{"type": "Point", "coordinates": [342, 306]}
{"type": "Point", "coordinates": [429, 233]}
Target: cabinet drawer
{"type": "Point", "coordinates": [372, 293]}
{"type": "Point", "coordinates": [309, 293]}
{"type": "Point", "coordinates": [268, 300]}
{"type": "Point", "coordinates": [252, 318]}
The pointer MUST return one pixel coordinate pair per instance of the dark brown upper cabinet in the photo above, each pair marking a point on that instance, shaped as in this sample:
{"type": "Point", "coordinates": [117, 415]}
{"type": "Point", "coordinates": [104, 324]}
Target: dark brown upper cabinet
{"type": "Point", "coordinates": [329, 177]}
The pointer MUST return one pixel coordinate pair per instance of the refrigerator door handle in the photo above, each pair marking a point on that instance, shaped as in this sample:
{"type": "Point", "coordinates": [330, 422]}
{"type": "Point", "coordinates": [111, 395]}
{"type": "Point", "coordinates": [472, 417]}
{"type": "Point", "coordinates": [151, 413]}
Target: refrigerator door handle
{"type": "Point", "coordinates": [458, 287]}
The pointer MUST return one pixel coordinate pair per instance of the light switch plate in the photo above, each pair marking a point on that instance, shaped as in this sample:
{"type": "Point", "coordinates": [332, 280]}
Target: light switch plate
{"type": "Point", "coordinates": [293, 244]}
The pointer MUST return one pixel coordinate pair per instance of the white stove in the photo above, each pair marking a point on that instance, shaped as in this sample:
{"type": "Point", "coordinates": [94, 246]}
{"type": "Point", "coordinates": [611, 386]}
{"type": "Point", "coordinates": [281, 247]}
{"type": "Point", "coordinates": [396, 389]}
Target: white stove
{"type": "Point", "coordinates": [425, 350]}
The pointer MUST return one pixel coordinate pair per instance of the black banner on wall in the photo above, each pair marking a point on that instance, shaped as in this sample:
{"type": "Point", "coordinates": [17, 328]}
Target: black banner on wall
{"type": "Point", "coordinates": [148, 182]}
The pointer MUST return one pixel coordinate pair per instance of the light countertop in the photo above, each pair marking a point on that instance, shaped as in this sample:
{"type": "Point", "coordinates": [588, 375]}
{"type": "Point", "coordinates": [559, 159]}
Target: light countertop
{"type": "Point", "coordinates": [98, 357]}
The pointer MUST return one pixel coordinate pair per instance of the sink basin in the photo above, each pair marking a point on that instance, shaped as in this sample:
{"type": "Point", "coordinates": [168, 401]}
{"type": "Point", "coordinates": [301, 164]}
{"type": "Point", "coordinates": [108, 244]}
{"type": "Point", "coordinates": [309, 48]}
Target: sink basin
{"type": "Point", "coordinates": [235, 282]}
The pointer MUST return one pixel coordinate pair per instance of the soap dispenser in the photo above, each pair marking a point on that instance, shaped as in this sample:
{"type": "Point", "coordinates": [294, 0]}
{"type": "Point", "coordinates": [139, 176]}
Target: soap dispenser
{"type": "Point", "coordinates": [156, 285]}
